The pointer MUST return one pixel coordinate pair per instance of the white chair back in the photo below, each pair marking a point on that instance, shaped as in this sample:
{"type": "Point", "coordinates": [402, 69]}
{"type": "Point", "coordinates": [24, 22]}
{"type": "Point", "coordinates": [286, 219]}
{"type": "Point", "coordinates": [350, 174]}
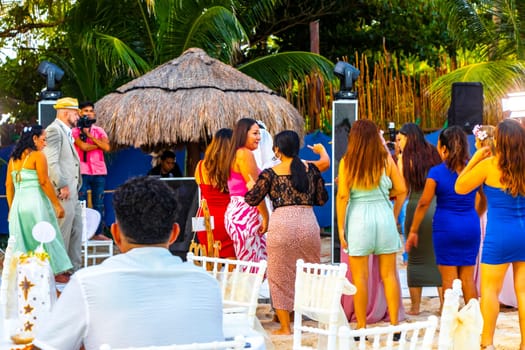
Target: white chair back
{"type": "Point", "coordinates": [382, 337]}
{"type": "Point", "coordinates": [318, 291]}
{"type": "Point", "coordinates": [235, 344]}
{"type": "Point", "coordinates": [240, 282]}
{"type": "Point", "coordinates": [93, 250]}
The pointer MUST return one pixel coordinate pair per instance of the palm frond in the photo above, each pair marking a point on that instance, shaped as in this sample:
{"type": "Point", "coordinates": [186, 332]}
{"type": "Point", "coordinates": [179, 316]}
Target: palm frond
{"type": "Point", "coordinates": [215, 29]}
{"type": "Point", "coordinates": [498, 79]}
{"type": "Point", "coordinates": [275, 70]}
{"type": "Point", "coordinates": [115, 54]}
{"type": "Point", "coordinates": [462, 17]}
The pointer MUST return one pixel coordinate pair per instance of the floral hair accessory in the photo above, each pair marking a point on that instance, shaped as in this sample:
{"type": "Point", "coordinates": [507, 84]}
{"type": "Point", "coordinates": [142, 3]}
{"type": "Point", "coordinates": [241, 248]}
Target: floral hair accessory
{"type": "Point", "coordinates": [478, 133]}
{"type": "Point", "coordinates": [27, 129]}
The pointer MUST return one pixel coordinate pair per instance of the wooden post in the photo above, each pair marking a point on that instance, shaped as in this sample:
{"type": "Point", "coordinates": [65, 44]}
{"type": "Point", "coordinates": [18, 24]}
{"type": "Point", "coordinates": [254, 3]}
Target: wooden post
{"type": "Point", "coordinates": [314, 37]}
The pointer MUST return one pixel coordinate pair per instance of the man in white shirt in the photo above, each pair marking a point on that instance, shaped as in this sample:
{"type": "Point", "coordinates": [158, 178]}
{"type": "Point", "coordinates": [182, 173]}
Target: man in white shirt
{"type": "Point", "coordinates": [143, 297]}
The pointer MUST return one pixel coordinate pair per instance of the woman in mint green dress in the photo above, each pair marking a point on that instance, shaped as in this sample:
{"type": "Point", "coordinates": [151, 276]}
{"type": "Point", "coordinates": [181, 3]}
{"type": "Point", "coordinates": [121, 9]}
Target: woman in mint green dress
{"type": "Point", "coordinates": [31, 198]}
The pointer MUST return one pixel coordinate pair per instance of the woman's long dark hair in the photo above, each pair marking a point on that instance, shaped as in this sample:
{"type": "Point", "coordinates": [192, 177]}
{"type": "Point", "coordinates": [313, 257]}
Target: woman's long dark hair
{"type": "Point", "coordinates": [288, 143]}
{"type": "Point", "coordinates": [418, 157]}
{"type": "Point", "coordinates": [455, 141]}
{"type": "Point", "coordinates": [26, 140]}
{"type": "Point", "coordinates": [239, 136]}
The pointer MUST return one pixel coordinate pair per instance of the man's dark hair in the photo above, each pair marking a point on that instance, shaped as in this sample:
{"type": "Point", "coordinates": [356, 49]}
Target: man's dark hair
{"type": "Point", "coordinates": [167, 154]}
{"type": "Point", "coordinates": [145, 209]}
{"type": "Point", "coordinates": [86, 104]}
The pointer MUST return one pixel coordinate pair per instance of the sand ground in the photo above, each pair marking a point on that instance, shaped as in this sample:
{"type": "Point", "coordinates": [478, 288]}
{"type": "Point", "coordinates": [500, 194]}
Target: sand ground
{"type": "Point", "coordinates": [507, 335]}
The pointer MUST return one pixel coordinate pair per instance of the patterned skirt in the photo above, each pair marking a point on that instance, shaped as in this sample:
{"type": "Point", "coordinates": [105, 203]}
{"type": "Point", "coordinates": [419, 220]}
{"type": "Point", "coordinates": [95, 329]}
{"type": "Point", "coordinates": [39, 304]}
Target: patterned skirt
{"type": "Point", "coordinates": [242, 222]}
{"type": "Point", "coordinates": [293, 233]}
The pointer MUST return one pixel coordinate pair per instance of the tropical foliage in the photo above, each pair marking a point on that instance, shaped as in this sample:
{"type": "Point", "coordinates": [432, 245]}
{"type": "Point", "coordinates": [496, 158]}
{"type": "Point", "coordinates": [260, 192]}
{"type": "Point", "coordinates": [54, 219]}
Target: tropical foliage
{"type": "Point", "coordinates": [103, 43]}
{"type": "Point", "coordinates": [495, 31]}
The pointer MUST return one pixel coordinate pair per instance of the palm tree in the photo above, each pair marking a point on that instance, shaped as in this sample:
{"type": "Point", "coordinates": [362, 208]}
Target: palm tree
{"type": "Point", "coordinates": [494, 30]}
{"type": "Point", "coordinates": [112, 41]}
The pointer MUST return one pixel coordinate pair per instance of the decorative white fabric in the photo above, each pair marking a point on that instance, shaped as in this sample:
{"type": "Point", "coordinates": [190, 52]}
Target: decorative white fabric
{"type": "Point", "coordinates": [318, 291]}
{"type": "Point", "coordinates": [145, 297]}
{"type": "Point", "coordinates": [449, 314]}
{"type": "Point", "coordinates": [460, 329]}
{"type": "Point", "coordinates": [382, 337]}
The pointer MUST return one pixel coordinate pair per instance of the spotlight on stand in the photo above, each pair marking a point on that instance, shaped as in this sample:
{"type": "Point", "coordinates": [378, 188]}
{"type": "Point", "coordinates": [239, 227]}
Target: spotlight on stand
{"type": "Point", "coordinates": [53, 75]}
{"type": "Point", "coordinates": [347, 75]}
{"type": "Point", "coordinates": [515, 103]}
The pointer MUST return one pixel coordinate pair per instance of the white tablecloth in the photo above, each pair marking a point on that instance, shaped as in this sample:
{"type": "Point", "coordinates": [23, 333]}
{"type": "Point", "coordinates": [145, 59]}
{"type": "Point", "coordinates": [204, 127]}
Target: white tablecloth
{"type": "Point", "coordinates": [236, 324]}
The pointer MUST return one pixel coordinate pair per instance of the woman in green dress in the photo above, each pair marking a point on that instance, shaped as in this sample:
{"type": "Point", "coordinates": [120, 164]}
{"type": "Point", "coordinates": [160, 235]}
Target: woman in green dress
{"type": "Point", "coordinates": [415, 160]}
{"type": "Point", "coordinates": [31, 198]}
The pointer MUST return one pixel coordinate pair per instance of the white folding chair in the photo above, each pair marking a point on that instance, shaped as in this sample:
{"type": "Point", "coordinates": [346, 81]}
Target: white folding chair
{"type": "Point", "coordinates": [318, 291]}
{"type": "Point", "coordinates": [240, 282]}
{"type": "Point", "coordinates": [382, 337]}
{"type": "Point", "coordinates": [235, 344]}
{"type": "Point", "coordinates": [92, 250]}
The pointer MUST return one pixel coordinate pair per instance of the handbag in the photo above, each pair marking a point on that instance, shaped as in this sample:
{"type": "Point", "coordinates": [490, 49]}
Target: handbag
{"type": "Point", "coordinates": [203, 221]}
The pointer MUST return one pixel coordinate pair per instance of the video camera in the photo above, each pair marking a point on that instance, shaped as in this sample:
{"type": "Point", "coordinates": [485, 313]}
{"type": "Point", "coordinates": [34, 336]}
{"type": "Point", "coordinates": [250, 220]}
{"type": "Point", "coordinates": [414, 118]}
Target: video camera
{"type": "Point", "coordinates": [85, 122]}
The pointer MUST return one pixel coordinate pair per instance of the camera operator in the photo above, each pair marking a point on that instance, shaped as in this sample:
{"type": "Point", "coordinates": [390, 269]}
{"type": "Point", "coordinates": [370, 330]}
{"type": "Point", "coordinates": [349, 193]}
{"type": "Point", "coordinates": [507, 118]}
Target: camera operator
{"type": "Point", "coordinates": [91, 142]}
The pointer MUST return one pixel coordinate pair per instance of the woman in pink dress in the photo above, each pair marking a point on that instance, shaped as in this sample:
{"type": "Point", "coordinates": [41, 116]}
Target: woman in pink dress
{"type": "Point", "coordinates": [245, 224]}
{"type": "Point", "coordinates": [214, 188]}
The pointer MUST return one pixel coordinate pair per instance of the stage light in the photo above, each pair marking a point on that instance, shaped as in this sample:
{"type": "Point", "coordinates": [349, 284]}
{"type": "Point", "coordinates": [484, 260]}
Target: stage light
{"type": "Point", "coordinates": [53, 75]}
{"type": "Point", "coordinates": [515, 104]}
{"type": "Point", "coordinates": [347, 75]}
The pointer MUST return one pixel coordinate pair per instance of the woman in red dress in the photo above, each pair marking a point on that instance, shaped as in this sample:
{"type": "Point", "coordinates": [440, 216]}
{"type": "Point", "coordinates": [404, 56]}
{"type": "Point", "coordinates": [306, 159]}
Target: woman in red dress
{"type": "Point", "coordinates": [214, 188]}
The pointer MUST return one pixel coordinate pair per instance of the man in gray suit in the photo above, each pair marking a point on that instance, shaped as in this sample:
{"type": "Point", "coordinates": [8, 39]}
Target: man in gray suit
{"type": "Point", "coordinates": [64, 172]}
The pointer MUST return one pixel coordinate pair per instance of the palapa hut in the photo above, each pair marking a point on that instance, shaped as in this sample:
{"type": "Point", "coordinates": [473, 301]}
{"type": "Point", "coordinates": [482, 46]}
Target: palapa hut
{"type": "Point", "coordinates": [185, 101]}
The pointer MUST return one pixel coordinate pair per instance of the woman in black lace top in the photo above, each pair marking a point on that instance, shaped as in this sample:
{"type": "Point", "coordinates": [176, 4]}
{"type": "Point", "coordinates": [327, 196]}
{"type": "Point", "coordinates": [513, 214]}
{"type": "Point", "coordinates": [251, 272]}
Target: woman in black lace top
{"type": "Point", "coordinates": [294, 187]}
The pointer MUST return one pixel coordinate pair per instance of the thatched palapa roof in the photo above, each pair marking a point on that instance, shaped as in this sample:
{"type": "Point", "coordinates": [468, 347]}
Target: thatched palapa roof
{"type": "Point", "coordinates": [187, 100]}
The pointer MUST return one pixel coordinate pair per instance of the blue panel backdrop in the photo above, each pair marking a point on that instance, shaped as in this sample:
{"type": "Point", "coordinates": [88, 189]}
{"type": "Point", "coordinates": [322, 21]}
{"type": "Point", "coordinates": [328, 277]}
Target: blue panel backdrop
{"type": "Point", "coordinates": [131, 162]}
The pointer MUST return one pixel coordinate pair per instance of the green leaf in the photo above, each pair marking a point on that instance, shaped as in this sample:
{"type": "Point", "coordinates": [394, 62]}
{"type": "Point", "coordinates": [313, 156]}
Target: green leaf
{"type": "Point", "coordinates": [276, 70]}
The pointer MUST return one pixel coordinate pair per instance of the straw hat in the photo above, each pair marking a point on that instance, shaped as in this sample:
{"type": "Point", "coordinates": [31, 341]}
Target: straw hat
{"type": "Point", "coordinates": [66, 103]}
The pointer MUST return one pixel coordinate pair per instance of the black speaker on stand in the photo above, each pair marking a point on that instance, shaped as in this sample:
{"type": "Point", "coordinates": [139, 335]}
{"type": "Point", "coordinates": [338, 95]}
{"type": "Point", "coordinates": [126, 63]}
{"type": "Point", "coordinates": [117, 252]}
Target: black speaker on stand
{"type": "Point", "coordinates": [344, 114]}
{"type": "Point", "coordinates": [46, 112]}
{"type": "Point", "coordinates": [466, 105]}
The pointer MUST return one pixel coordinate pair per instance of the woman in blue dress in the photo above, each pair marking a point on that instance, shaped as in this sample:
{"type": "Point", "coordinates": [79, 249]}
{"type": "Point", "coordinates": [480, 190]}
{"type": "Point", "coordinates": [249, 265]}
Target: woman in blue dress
{"type": "Point", "coordinates": [503, 178]}
{"type": "Point", "coordinates": [455, 226]}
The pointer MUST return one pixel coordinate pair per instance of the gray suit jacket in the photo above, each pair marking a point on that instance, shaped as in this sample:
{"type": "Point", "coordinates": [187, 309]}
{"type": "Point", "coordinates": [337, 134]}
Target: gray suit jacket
{"type": "Point", "coordinates": [62, 158]}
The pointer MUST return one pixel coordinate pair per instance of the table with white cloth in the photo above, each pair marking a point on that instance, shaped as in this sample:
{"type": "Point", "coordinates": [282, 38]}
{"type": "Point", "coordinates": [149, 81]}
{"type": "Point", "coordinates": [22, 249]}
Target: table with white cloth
{"type": "Point", "coordinates": [235, 324]}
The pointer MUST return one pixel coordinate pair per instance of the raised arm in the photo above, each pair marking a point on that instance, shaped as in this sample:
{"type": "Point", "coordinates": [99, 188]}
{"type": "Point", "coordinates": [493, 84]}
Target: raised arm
{"type": "Point", "coordinates": [475, 173]}
{"type": "Point", "coordinates": [323, 163]}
